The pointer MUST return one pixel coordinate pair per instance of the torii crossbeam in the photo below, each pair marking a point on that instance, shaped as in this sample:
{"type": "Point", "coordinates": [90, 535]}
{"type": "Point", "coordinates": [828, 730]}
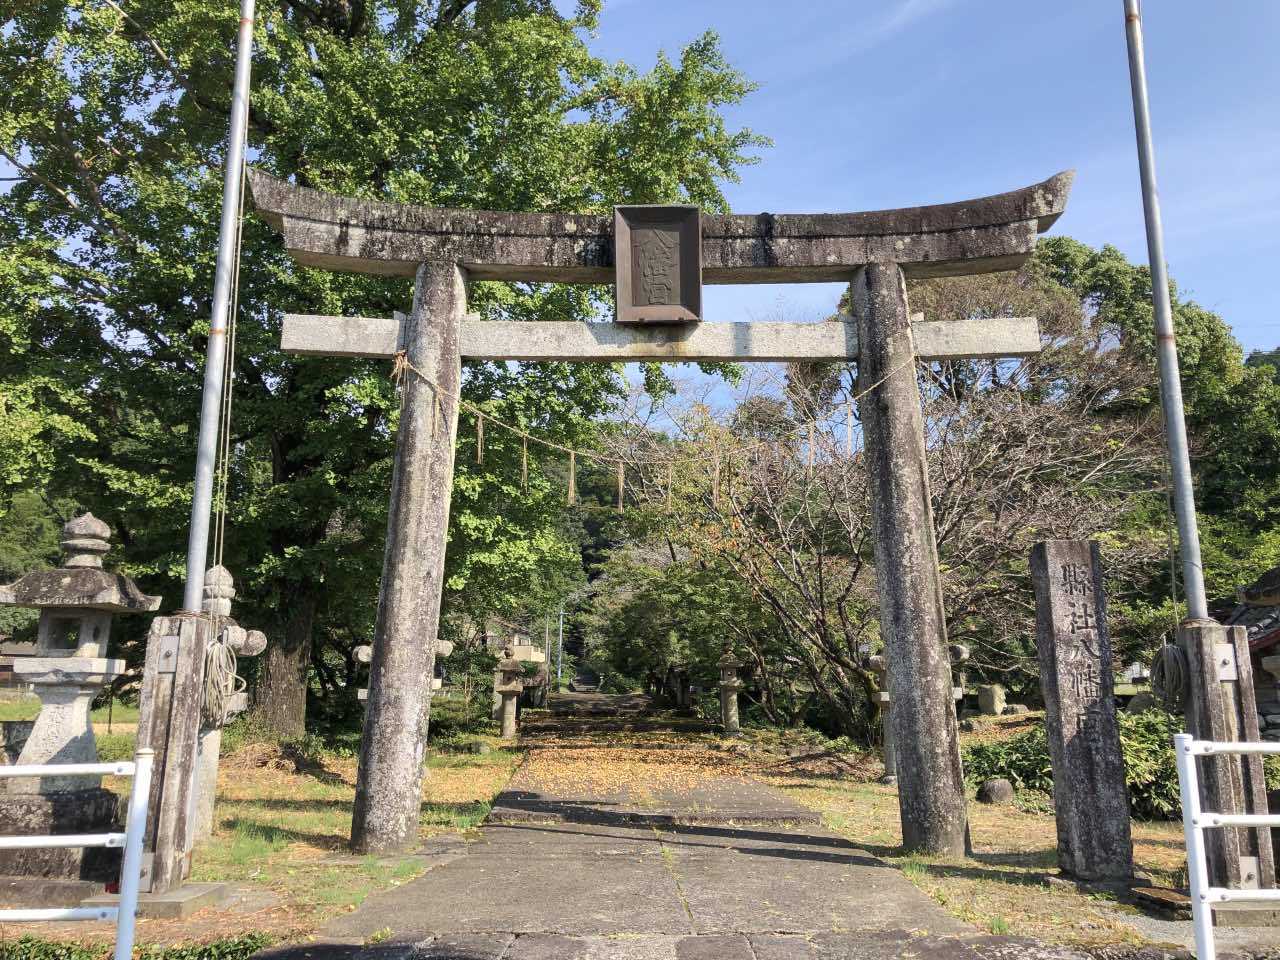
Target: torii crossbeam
{"type": "Point", "coordinates": [874, 251]}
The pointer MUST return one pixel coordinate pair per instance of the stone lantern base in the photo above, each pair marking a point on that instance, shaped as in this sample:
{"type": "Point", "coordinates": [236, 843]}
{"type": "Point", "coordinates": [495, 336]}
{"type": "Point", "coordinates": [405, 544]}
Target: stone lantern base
{"type": "Point", "coordinates": [94, 810]}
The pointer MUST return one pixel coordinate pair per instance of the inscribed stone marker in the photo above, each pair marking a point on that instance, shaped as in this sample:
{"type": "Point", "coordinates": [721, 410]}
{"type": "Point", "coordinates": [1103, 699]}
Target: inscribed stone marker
{"type": "Point", "coordinates": [1090, 800]}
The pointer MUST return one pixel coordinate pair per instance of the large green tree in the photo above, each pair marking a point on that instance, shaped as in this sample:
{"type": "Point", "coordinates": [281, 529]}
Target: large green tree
{"type": "Point", "coordinates": [113, 117]}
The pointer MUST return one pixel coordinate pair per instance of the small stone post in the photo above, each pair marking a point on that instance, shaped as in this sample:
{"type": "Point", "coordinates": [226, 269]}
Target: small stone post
{"type": "Point", "coordinates": [991, 699]}
{"type": "Point", "coordinates": [729, 687]}
{"type": "Point", "coordinates": [364, 654]}
{"type": "Point", "coordinates": [1090, 800]}
{"type": "Point", "coordinates": [959, 657]}
{"type": "Point", "coordinates": [926, 735]}
{"type": "Point", "coordinates": [879, 667]}
{"type": "Point", "coordinates": [1221, 707]}
{"type": "Point", "coordinates": [509, 687]}
{"type": "Point", "coordinates": [77, 603]}
{"type": "Point", "coordinates": [219, 591]}
{"type": "Point", "coordinates": [393, 746]}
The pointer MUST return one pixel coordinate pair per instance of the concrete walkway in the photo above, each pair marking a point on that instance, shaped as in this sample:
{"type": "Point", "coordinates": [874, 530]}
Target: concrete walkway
{"type": "Point", "coordinates": [727, 869]}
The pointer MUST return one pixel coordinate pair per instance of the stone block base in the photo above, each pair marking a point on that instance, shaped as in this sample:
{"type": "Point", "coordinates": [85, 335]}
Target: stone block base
{"type": "Point", "coordinates": [72, 811]}
{"type": "Point", "coordinates": [176, 904]}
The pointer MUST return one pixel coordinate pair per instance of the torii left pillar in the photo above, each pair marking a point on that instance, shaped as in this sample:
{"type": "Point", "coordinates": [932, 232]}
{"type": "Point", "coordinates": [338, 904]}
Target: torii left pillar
{"type": "Point", "coordinates": [925, 733]}
{"type": "Point", "coordinates": [393, 746]}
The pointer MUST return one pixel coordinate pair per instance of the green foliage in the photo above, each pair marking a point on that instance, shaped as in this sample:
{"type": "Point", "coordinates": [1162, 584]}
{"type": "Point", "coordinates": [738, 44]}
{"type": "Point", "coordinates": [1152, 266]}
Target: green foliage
{"type": "Point", "coordinates": [1146, 742]}
{"type": "Point", "coordinates": [115, 121]}
{"type": "Point", "coordinates": [231, 948]}
{"type": "Point", "coordinates": [113, 747]}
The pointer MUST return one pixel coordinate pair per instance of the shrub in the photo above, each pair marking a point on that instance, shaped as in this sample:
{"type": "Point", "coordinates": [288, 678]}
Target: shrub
{"type": "Point", "coordinates": [34, 948]}
{"type": "Point", "coordinates": [1146, 742]}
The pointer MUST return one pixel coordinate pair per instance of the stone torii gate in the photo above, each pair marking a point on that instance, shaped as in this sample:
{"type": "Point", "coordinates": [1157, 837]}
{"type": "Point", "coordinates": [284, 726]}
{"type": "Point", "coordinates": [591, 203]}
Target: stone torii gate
{"type": "Point", "coordinates": [874, 251]}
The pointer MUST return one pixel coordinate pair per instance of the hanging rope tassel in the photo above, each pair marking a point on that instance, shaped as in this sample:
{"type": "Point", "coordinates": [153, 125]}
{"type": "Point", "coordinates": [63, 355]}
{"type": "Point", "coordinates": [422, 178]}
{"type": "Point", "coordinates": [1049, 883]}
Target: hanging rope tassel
{"type": "Point", "coordinates": [573, 483]}
{"type": "Point", "coordinates": [524, 464]}
{"type": "Point", "coordinates": [621, 484]}
{"type": "Point", "coordinates": [479, 438]}
{"type": "Point", "coordinates": [848, 429]}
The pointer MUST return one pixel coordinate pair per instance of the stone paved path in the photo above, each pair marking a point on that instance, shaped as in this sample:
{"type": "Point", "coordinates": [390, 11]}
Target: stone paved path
{"type": "Point", "coordinates": [723, 870]}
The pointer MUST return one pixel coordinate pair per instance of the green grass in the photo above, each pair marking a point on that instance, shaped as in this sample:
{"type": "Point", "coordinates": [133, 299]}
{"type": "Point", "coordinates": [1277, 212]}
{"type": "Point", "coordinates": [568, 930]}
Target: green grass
{"type": "Point", "coordinates": [26, 707]}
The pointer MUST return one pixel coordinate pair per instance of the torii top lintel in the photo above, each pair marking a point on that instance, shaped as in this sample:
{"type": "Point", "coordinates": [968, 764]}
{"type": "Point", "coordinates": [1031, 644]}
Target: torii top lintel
{"type": "Point", "coordinates": [391, 239]}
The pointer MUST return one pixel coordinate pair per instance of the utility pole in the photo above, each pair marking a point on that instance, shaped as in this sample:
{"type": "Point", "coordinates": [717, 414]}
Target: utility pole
{"type": "Point", "coordinates": [1166, 347]}
{"type": "Point", "coordinates": [216, 358]}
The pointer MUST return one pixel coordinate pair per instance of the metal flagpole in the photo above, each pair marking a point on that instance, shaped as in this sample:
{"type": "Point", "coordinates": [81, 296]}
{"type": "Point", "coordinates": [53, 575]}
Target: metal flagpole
{"type": "Point", "coordinates": [1166, 346]}
{"type": "Point", "coordinates": [215, 362]}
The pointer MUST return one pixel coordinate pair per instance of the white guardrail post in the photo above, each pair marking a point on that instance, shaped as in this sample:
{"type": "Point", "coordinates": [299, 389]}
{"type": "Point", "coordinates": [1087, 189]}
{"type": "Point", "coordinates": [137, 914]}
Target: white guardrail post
{"type": "Point", "coordinates": [123, 915]}
{"type": "Point", "coordinates": [1195, 821]}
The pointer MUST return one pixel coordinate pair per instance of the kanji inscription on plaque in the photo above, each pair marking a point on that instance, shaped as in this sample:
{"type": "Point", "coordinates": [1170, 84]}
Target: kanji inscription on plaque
{"type": "Point", "coordinates": [658, 264]}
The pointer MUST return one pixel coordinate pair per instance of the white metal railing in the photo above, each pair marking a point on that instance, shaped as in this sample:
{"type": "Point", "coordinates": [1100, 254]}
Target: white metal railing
{"type": "Point", "coordinates": [124, 915]}
{"type": "Point", "coordinates": [1195, 821]}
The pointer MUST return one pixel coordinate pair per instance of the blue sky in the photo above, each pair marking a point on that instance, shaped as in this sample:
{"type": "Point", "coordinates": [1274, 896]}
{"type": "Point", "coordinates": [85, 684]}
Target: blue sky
{"type": "Point", "coordinates": [886, 103]}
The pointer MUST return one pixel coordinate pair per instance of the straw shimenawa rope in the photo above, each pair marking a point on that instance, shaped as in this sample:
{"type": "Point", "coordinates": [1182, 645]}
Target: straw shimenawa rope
{"type": "Point", "coordinates": [402, 365]}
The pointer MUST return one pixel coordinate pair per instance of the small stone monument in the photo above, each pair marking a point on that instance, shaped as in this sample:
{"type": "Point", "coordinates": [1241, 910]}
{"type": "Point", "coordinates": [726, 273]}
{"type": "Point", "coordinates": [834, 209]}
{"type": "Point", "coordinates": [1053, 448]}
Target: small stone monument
{"type": "Point", "coordinates": [77, 602]}
{"type": "Point", "coordinates": [230, 642]}
{"type": "Point", "coordinates": [364, 654]}
{"type": "Point", "coordinates": [508, 688]}
{"type": "Point", "coordinates": [729, 687]}
{"type": "Point", "coordinates": [1091, 803]}
{"type": "Point", "coordinates": [880, 667]}
{"type": "Point", "coordinates": [991, 699]}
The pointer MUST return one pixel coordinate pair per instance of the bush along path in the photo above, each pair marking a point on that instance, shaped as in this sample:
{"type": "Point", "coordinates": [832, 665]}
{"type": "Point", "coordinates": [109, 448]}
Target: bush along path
{"type": "Point", "coordinates": [640, 835]}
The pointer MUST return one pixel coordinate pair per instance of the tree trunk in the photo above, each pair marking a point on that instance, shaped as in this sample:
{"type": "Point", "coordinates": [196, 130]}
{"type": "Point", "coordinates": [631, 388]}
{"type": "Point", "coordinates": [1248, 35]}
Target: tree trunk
{"type": "Point", "coordinates": [280, 699]}
{"type": "Point", "coordinates": [931, 798]}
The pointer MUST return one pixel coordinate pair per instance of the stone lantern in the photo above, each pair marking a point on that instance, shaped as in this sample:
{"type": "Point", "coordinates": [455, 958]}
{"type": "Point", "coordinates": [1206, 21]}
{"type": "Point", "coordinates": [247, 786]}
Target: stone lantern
{"type": "Point", "coordinates": [509, 686]}
{"type": "Point", "coordinates": [77, 602]}
{"type": "Point", "coordinates": [729, 687]}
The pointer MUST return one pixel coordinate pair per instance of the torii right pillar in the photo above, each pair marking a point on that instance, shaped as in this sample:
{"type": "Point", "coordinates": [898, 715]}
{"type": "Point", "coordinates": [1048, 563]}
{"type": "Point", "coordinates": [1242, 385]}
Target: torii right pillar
{"type": "Point", "coordinates": [926, 736]}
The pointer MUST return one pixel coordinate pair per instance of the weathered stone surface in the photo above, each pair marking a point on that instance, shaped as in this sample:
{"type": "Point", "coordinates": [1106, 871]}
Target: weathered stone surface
{"type": "Point", "coordinates": [370, 236]}
{"type": "Point", "coordinates": [1091, 803]}
{"type": "Point", "coordinates": [931, 795]}
{"type": "Point", "coordinates": [94, 810]}
{"type": "Point", "coordinates": [1016, 709]}
{"type": "Point", "coordinates": [63, 731]}
{"type": "Point", "coordinates": [80, 582]}
{"type": "Point", "coordinates": [389, 784]}
{"type": "Point", "coordinates": [1220, 706]}
{"type": "Point", "coordinates": [311, 335]}
{"type": "Point", "coordinates": [729, 687]}
{"type": "Point", "coordinates": [169, 723]}
{"type": "Point", "coordinates": [219, 591]}
{"type": "Point", "coordinates": [991, 699]}
{"type": "Point", "coordinates": [997, 790]}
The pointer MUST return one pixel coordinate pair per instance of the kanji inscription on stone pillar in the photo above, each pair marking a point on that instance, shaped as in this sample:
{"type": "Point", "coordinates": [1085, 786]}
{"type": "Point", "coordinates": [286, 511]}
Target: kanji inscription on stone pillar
{"type": "Point", "coordinates": [1090, 799]}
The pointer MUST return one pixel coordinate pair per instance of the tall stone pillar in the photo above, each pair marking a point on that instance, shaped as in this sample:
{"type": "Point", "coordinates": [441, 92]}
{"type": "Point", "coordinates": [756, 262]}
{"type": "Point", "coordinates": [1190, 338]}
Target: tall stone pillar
{"type": "Point", "coordinates": [1221, 707]}
{"type": "Point", "coordinates": [392, 749]}
{"type": "Point", "coordinates": [931, 797]}
{"type": "Point", "coordinates": [1091, 803]}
